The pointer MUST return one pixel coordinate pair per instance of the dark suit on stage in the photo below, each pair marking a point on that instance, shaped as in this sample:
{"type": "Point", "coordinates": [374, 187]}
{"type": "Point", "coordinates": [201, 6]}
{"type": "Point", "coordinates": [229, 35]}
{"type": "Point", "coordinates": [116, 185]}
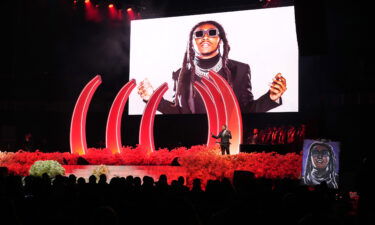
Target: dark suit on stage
{"type": "Point", "coordinates": [224, 136]}
{"type": "Point", "coordinates": [241, 85]}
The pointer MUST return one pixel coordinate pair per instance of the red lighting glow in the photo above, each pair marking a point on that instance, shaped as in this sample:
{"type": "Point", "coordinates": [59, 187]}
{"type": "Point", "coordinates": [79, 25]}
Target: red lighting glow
{"type": "Point", "coordinates": [113, 13]}
{"type": "Point", "coordinates": [92, 12]}
{"type": "Point", "coordinates": [131, 13]}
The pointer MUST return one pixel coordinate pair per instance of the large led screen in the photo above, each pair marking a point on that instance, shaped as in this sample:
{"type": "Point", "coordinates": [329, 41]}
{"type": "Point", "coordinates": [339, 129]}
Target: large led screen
{"type": "Point", "coordinates": [249, 50]}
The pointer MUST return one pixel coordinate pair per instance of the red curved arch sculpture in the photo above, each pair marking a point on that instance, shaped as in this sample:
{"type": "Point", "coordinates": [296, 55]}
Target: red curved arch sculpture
{"type": "Point", "coordinates": [146, 129]}
{"type": "Point", "coordinates": [78, 143]}
{"type": "Point", "coordinates": [219, 102]}
{"type": "Point", "coordinates": [113, 128]}
{"type": "Point", "coordinates": [232, 109]}
{"type": "Point", "coordinates": [212, 114]}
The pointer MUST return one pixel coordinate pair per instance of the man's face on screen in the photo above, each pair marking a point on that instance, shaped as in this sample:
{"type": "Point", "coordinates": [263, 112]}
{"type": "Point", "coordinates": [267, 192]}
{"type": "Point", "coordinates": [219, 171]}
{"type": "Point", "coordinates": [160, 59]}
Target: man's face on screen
{"type": "Point", "coordinates": [206, 41]}
{"type": "Point", "coordinates": [320, 156]}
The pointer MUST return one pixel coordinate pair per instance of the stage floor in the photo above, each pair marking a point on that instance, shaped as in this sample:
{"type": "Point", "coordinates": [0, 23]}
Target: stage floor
{"type": "Point", "coordinates": [85, 171]}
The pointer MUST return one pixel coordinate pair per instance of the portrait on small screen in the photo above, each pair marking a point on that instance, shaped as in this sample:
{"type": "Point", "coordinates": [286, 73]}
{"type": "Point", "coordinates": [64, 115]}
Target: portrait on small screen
{"type": "Point", "coordinates": [320, 163]}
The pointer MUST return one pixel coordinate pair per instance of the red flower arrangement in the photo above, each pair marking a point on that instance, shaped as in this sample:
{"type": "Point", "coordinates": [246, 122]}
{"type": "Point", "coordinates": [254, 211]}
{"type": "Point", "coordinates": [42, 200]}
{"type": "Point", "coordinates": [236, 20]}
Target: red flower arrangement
{"type": "Point", "coordinates": [199, 161]}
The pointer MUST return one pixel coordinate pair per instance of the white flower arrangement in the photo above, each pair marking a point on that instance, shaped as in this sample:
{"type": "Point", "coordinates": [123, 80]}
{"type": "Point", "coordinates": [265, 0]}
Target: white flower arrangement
{"type": "Point", "coordinates": [51, 167]}
{"type": "Point", "coordinates": [99, 170]}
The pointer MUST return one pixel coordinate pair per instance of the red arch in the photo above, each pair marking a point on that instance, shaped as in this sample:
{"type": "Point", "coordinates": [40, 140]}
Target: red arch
{"type": "Point", "coordinates": [219, 101]}
{"type": "Point", "coordinates": [212, 114]}
{"type": "Point", "coordinates": [113, 128]}
{"type": "Point", "coordinates": [146, 129]}
{"type": "Point", "coordinates": [78, 143]}
{"type": "Point", "coordinates": [232, 109]}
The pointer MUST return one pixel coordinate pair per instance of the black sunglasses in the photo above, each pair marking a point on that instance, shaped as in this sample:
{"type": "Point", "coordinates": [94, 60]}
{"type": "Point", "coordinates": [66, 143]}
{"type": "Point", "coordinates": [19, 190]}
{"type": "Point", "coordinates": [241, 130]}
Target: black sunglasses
{"type": "Point", "coordinates": [210, 32]}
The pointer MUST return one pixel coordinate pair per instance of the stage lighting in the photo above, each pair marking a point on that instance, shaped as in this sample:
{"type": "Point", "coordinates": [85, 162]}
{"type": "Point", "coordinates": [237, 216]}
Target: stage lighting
{"type": "Point", "coordinates": [129, 9]}
{"type": "Point", "coordinates": [110, 6]}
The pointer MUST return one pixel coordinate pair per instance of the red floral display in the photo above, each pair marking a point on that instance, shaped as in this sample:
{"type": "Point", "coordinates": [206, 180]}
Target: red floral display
{"type": "Point", "coordinates": [200, 161]}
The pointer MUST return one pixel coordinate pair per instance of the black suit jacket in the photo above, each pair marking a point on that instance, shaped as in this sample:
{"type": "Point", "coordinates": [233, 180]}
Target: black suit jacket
{"type": "Point", "coordinates": [224, 137]}
{"type": "Point", "coordinates": [241, 85]}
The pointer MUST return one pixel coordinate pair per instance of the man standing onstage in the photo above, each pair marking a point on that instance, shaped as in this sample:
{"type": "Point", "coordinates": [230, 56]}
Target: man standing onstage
{"type": "Point", "coordinates": [224, 136]}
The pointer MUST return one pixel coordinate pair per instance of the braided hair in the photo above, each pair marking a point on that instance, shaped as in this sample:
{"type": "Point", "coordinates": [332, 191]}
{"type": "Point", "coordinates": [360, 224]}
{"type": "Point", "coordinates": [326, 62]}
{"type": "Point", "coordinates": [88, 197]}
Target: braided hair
{"type": "Point", "coordinates": [189, 56]}
{"type": "Point", "coordinates": [329, 174]}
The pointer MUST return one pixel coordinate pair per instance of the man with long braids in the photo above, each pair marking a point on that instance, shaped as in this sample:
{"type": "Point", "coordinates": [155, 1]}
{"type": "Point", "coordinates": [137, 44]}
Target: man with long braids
{"type": "Point", "coordinates": [321, 165]}
{"type": "Point", "coordinates": [202, 55]}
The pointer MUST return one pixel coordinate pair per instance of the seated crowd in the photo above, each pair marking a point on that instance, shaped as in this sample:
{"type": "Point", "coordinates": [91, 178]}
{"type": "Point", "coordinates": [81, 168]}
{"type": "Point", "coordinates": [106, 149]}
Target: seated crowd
{"type": "Point", "coordinates": [132, 200]}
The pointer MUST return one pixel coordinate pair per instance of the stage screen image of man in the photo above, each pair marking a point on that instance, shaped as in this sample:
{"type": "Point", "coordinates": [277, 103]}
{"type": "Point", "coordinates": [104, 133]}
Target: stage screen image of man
{"type": "Point", "coordinates": [320, 163]}
{"type": "Point", "coordinates": [258, 58]}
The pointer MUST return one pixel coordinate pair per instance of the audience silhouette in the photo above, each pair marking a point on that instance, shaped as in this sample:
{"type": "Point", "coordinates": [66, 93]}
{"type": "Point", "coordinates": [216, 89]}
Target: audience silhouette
{"type": "Point", "coordinates": [132, 200]}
